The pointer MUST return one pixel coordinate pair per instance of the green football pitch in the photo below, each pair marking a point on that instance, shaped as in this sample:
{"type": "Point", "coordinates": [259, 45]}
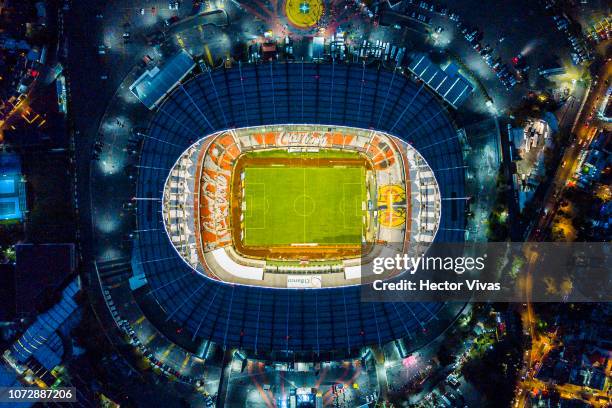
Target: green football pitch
{"type": "Point", "coordinates": [303, 205]}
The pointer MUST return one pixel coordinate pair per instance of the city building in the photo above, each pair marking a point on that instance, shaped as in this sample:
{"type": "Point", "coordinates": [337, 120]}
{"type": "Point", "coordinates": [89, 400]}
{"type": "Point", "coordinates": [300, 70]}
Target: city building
{"type": "Point", "coordinates": [446, 82]}
{"type": "Point", "coordinates": [595, 160]}
{"type": "Point", "coordinates": [13, 204]}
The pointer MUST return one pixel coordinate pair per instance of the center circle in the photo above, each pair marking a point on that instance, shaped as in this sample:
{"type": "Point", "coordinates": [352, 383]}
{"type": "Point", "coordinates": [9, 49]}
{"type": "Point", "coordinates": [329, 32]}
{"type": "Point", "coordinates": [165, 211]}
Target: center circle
{"type": "Point", "coordinates": [303, 205]}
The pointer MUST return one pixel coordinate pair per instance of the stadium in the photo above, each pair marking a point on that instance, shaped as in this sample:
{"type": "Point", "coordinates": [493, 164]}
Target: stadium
{"type": "Point", "coordinates": [261, 191]}
{"type": "Point", "coordinates": [298, 206]}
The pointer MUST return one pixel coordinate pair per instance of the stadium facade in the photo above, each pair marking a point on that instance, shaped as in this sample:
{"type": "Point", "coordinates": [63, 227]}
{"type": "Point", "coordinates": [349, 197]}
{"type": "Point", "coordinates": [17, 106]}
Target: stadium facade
{"type": "Point", "coordinates": [302, 324]}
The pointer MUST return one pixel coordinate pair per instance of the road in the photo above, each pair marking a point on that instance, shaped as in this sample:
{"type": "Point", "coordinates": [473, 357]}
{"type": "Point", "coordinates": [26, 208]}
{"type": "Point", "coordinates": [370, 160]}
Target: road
{"type": "Point", "coordinates": [584, 135]}
{"type": "Point", "coordinates": [541, 345]}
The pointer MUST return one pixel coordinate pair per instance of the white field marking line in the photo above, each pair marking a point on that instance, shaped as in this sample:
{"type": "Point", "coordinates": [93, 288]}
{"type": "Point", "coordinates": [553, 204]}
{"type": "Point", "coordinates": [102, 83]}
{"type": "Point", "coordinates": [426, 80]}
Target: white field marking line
{"type": "Point", "coordinates": [307, 199]}
{"type": "Point", "coordinates": [304, 209]}
{"type": "Point", "coordinates": [364, 204]}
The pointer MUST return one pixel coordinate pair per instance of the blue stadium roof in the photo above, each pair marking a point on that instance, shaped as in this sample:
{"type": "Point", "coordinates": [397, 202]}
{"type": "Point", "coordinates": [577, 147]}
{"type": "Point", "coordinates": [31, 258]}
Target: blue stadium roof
{"type": "Point", "coordinates": [153, 84]}
{"type": "Point", "coordinates": [265, 320]}
{"type": "Point", "coordinates": [40, 339]}
{"type": "Point", "coordinates": [453, 87]}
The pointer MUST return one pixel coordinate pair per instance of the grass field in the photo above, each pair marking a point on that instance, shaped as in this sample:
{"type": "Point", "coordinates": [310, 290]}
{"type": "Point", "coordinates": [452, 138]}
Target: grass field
{"type": "Point", "coordinates": [290, 205]}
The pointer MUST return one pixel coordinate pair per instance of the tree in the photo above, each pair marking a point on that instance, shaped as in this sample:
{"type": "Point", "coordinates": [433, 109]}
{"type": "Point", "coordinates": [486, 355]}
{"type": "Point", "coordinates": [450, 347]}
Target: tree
{"type": "Point", "coordinates": [495, 373]}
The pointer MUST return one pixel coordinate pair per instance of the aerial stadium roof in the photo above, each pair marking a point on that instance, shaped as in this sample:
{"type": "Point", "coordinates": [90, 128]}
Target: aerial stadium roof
{"type": "Point", "coordinates": [312, 323]}
{"type": "Point", "coordinates": [453, 87]}
{"type": "Point", "coordinates": [154, 83]}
